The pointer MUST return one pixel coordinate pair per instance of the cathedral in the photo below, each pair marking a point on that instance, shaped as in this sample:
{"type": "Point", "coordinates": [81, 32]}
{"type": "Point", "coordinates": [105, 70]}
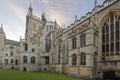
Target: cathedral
{"type": "Point", "coordinates": [88, 48]}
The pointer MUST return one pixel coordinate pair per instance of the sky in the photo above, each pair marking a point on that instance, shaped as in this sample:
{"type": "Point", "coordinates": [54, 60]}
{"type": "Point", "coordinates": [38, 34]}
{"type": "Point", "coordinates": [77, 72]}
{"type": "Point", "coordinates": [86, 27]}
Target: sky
{"type": "Point", "coordinates": [13, 13]}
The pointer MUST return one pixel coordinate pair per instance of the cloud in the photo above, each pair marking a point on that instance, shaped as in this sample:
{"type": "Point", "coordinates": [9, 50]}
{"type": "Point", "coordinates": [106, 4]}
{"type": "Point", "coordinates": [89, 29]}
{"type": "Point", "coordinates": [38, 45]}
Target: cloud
{"type": "Point", "coordinates": [15, 24]}
{"type": "Point", "coordinates": [45, 1]}
{"type": "Point", "coordinates": [61, 17]}
{"type": "Point", "coordinates": [61, 10]}
{"type": "Point", "coordinates": [18, 11]}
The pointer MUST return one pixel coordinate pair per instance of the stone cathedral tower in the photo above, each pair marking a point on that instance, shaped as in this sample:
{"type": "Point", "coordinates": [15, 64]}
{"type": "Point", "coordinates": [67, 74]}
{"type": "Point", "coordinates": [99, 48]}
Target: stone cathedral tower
{"type": "Point", "coordinates": [33, 23]}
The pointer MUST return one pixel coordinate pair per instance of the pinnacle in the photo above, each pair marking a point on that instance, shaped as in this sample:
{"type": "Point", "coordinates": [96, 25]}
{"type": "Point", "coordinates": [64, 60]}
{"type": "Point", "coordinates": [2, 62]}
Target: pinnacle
{"type": "Point", "coordinates": [1, 29]}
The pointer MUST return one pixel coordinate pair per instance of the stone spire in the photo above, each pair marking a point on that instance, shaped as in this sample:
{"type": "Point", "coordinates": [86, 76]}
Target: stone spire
{"type": "Point", "coordinates": [1, 29]}
{"type": "Point", "coordinates": [43, 15]}
{"type": "Point", "coordinates": [30, 9]}
{"type": "Point", "coordinates": [55, 21]}
{"type": "Point", "coordinates": [76, 17]}
{"type": "Point", "coordinates": [96, 15]}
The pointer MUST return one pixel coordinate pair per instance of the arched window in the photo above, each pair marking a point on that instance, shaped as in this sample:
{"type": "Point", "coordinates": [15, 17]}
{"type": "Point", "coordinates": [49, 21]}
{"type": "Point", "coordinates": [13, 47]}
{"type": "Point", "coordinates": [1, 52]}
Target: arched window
{"type": "Point", "coordinates": [6, 61]}
{"type": "Point", "coordinates": [110, 36]}
{"type": "Point", "coordinates": [83, 59]}
{"type": "Point", "coordinates": [74, 59]}
{"type": "Point", "coordinates": [82, 40]}
{"type": "Point", "coordinates": [33, 60]}
{"type": "Point", "coordinates": [11, 53]}
{"type": "Point", "coordinates": [33, 49]}
{"type": "Point", "coordinates": [11, 61]}
{"type": "Point", "coordinates": [47, 60]}
{"type": "Point", "coordinates": [24, 59]}
{"type": "Point", "coordinates": [48, 42]}
{"type": "Point", "coordinates": [16, 62]}
{"type": "Point", "coordinates": [6, 54]}
{"type": "Point", "coordinates": [74, 43]}
{"type": "Point", "coordinates": [26, 47]}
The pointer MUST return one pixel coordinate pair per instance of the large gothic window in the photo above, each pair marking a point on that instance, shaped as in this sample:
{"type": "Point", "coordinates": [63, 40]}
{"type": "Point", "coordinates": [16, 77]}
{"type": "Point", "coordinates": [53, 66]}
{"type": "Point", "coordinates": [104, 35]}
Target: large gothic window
{"type": "Point", "coordinates": [111, 36]}
{"type": "Point", "coordinates": [74, 59]}
{"type": "Point", "coordinates": [33, 60]}
{"type": "Point", "coordinates": [24, 59]}
{"type": "Point", "coordinates": [83, 59]}
{"type": "Point", "coordinates": [48, 42]}
{"type": "Point", "coordinates": [74, 43]}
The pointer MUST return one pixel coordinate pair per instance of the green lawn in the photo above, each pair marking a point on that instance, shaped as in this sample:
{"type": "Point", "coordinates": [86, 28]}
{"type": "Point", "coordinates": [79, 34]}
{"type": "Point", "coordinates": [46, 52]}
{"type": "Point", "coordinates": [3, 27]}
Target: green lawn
{"type": "Point", "coordinates": [19, 75]}
{"type": "Point", "coordinates": [118, 74]}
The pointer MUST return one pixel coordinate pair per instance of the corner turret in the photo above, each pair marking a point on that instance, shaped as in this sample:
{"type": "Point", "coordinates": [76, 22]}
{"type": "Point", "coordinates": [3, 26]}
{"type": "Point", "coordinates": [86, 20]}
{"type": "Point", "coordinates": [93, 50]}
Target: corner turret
{"type": "Point", "coordinates": [1, 29]}
{"type": "Point", "coordinates": [2, 36]}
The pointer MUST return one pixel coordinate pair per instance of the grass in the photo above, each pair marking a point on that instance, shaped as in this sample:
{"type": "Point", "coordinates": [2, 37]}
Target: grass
{"type": "Point", "coordinates": [118, 74]}
{"type": "Point", "coordinates": [19, 75]}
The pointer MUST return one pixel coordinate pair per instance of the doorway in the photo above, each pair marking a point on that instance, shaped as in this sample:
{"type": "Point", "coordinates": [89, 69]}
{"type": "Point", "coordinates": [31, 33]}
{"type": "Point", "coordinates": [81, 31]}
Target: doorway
{"type": "Point", "coordinates": [109, 75]}
{"type": "Point", "coordinates": [25, 69]}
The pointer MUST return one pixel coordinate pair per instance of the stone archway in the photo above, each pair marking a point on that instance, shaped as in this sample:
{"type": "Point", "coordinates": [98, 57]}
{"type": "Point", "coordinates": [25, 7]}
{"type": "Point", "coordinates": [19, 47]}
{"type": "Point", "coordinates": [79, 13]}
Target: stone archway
{"type": "Point", "coordinates": [24, 69]}
{"type": "Point", "coordinates": [12, 67]}
{"type": "Point", "coordinates": [110, 75]}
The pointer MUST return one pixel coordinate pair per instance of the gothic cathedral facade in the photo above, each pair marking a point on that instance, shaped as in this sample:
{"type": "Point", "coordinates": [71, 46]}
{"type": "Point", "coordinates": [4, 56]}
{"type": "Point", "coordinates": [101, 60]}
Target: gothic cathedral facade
{"type": "Point", "coordinates": [89, 47]}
